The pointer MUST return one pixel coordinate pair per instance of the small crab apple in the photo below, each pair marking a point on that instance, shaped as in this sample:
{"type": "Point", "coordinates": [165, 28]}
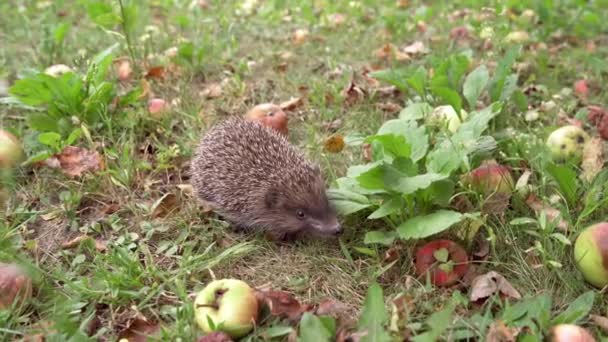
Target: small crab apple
{"type": "Point", "coordinates": [10, 150]}
{"type": "Point", "coordinates": [591, 254]}
{"type": "Point", "coordinates": [15, 285]}
{"type": "Point", "coordinates": [570, 333]}
{"type": "Point", "coordinates": [270, 115]}
{"type": "Point", "coordinates": [490, 178]}
{"type": "Point", "coordinates": [567, 143]}
{"type": "Point", "coordinates": [227, 305]}
{"type": "Point", "coordinates": [445, 260]}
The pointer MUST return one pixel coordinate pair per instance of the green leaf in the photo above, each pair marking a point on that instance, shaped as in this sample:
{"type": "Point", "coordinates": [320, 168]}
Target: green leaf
{"type": "Point", "coordinates": [525, 312]}
{"type": "Point", "coordinates": [423, 226]}
{"type": "Point", "coordinates": [278, 331]}
{"type": "Point", "coordinates": [566, 179]}
{"type": "Point", "coordinates": [502, 70]}
{"type": "Point", "coordinates": [356, 170]}
{"type": "Point", "coordinates": [43, 122]}
{"type": "Point", "coordinates": [389, 207]}
{"type": "Point", "coordinates": [448, 96]}
{"type": "Point", "coordinates": [347, 202]}
{"type": "Point", "coordinates": [393, 77]}
{"type": "Point", "coordinates": [373, 178]}
{"type": "Point", "coordinates": [474, 84]}
{"type": "Point", "coordinates": [439, 192]}
{"type": "Point", "coordinates": [60, 31]}
{"type": "Point", "coordinates": [415, 136]}
{"type": "Point", "coordinates": [509, 87]}
{"type": "Point", "coordinates": [408, 185]}
{"type": "Point", "coordinates": [374, 317]}
{"type": "Point", "coordinates": [395, 145]}
{"type": "Point", "coordinates": [577, 310]}
{"type": "Point", "coordinates": [50, 139]}
{"type": "Point", "coordinates": [437, 323]}
{"type": "Point", "coordinates": [312, 329]}
{"type": "Point", "coordinates": [416, 111]}
{"type": "Point", "coordinates": [417, 80]}
{"type": "Point", "coordinates": [522, 220]}
{"type": "Point", "coordinates": [379, 237]}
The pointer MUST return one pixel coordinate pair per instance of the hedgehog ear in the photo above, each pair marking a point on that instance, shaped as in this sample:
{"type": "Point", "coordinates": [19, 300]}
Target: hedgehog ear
{"type": "Point", "coordinates": [271, 199]}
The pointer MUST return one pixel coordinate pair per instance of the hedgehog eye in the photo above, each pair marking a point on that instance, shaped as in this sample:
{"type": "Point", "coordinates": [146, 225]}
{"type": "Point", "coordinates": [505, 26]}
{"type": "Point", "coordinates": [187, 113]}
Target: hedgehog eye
{"type": "Point", "coordinates": [300, 213]}
{"type": "Point", "coordinates": [270, 114]}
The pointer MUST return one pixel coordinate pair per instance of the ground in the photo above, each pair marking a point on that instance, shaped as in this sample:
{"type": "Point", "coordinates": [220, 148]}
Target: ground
{"type": "Point", "coordinates": [158, 246]}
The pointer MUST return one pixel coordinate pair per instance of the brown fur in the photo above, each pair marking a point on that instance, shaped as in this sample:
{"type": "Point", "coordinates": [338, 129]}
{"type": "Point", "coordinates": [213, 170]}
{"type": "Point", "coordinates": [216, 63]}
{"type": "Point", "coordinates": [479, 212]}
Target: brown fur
{"type": "Point", "coordinates": [254, 178]}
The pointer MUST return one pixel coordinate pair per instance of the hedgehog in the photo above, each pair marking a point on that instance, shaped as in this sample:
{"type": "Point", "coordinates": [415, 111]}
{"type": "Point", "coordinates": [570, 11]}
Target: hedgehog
{"type": "Point", "coordinates": [253, 178]}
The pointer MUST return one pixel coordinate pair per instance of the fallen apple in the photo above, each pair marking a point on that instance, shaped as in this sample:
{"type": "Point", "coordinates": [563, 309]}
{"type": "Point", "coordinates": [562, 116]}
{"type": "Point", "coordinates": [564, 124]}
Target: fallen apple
{"type": "Point", "coordinates": [570, 333]}
{"type": "Point", "coordinates": [490, 178]}
{"type": "Point", "coordinates": [15, 285]}
{"type": "Point", "coordinates": [227, 305]}
{"type": "Point", "coordinates": [446, 116]}
{"type": "Point", "coordinates": [445, 260]}
{"type": "Point", "coordinates": [567, 142]}
{"type": "Point", "coordinates": [10, 150]}
{"type": "Point", "coordinates": [591, 254]}
{"type": "Point", "coordinates": [157, 107]}
{"type": "Point", "coordinates": [269, 115]}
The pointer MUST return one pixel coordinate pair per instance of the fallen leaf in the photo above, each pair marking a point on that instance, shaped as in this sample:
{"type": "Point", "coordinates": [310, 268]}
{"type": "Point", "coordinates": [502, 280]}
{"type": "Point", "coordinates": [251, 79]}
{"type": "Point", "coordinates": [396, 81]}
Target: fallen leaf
{"type": "Point", "coordinates": [74, 161]}
{"type": "Point", "coordinates": [392, 254]}
{"type": "Point", "coordinates": [331, 307]}
{"type": "Point", "coordinates": [15, 286]}
{"type": "Point", "coordinates": [552, 214]}
{"type": "Point", "coordinates": [156, 72]}
{"type": "Point", "coordinates": [100, 246]}
{"type": "Point", "coordinates": [600, 321]}
{"type": "Point", "coordinates": [581, 89]}
{"type": "Point", "coordinates": [282, 304]}
{"type": "Point", "coordinates": [367, 151]}
{"type": "Point", "coordinates": [499, 332]}
{"type": "Point", "coordinates": [593, 159]}
{"type": "Point", "coordinates": [140, 330]}
{"type": "Point", "coordinates": [517, 37]}
{"type": "Point", "coordinates": [460, 33]}
{"type": "Point", "coordinates": [217, 336]}
{"type": "Point", "coordinates": [334, 144]}
{"type": "Point", "coordinates": [599, 117]}
{"type": "Point", "coordinates": [385, 52]}
{"type": "Point", "coordinates": [165, 205]}
{"type": "Point", "coordinates": [300, 36]}
{"type": "Point", "coordinates": [415, 48]}
{"type": "Point", "coordinates": [491, 283]}
{"type": "Point", "coordinates": [352, 93]}
{"type": "Point", "coordinates": [211, 91]}
{"type": "Point", "coordinates": [389, 107]}
{"type": "Point", "coordinates": [292, 103]}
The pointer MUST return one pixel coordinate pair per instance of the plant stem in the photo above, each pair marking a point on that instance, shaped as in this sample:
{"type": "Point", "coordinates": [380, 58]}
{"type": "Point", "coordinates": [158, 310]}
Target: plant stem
{"type": "Point", "coordinates": [124, 29]}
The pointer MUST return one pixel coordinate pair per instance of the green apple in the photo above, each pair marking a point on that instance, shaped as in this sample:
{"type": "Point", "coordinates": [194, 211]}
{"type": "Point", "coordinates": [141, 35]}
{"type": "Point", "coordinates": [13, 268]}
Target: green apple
{"type": "Point", "coordinates": [591, 254]}
{"type": "Point", "coordinates": [10, 150]}
{"type": "Point", "coordinates": [566, 143]}
{"type": "Point", "coordinates": [446, 116]}
{"type": "Point", "coordinates": [230, 304]}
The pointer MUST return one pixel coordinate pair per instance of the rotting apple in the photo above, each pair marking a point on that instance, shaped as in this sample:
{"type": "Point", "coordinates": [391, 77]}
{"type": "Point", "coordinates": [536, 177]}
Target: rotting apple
{"type": "Point", "coordinates": [227, 305]}
{"type": "Point", "coordinates": [270, 115]}
{"type": "Point", "coordinates": [591, 254]}
{"type": "Point", "coordinates": [10, 150]}
{"type": "Point", "coordinates": [15, 285]}
{"type": "Point", "coordinates": [445, 260]}
{"type": "Point", "coordinates": [490, 178]}
{"type": "Point", "coordinates": [567, 142]}
{"type": "Point", "coordinates": [447, 116]}
{"type": "Point", "coordinates": [570, 333]}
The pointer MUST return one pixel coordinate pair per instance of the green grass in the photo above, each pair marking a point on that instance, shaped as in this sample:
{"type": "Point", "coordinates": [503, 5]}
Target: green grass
{"type": "Point", "coordinates": [153, 265]}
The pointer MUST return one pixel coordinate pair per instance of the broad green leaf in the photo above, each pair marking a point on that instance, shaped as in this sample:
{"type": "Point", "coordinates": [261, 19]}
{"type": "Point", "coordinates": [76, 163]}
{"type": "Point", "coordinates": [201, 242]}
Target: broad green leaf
{"type": "Point", "coordinates": [395, 145]}
{"type": "Point", "coordinates": [509, 87]}
{"type": "Point", "coordinates": [50, 139]}
{"type": "Point", "coordinates": [33, 91]}
{"type": "Point", "coordinates": [417, 80]}
{"type": "Point", "coordinates": [448, 96]}
{"type": "Point", "coordinates": [423, 226]}
{"type": "Point", "coordinates": [278, 331]}
{"type": "Point", "coordinates": [522, 220]}
{"type": "Point", "coordinates": [60, 31]}
{"type": "Point", "coordinates": [393, 77]}
{"type": "Point", "coordinates": [43, 122]}
{"type": "Point", "coordinates": [437, 323]}
{"type": "Point", "coordinates": [502, 70]}
{"type": "Point", "coordinates": [415, 136]}
{"type": "Point", "coordinates": [379, 237]}
{"type": "Point", "coordinates": [389, 207]}
{"type": "Point", "coordinates": [474, 84]}
{"type": "Point", "coordinates": [415, 111]}
{"type": "Point", "coordinates": [374, 317]}
{"type": "Point", "coordinates": [352, 185]}
{"type": "Point", "coordinates": [356, 170]}
{"type": "Point", "coordinates": [439, 192]}
{"type": "Point", "coordinates": [566, 179]}
{"type": "Point", "coordinates": [312, 329]}
{"type": "Point", "coordinates": [347, 202]}
{"type": "Point", "coordinates": [528, 311]}
{"type": "Point", "coordinates": [408, 185]}
{"type": "Point", "coordinates": [577, 310]}
{"type": "Point", "coordinates": [373, 178]}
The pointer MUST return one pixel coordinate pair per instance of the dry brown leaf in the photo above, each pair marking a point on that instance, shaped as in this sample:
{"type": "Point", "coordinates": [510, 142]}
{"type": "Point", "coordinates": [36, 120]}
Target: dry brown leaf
{"type": "Point", "coordinates": [331, 307]}
{"type": "Point", "coordinates": [385, 52]}
{"type": "Point", "coordinates": [100, 246]}
{"type": "Point", "coordinates": [599, 117]}
{"type": "Point", "coordinates": [499, 332]}
{"type": "Point", "coordinates": [552, 214]}
{"type": "Point", "coordinates": [217, 336]}
{"type": "Point", "coordinates": [415, 48]}
{"type": "Point", "coordinates": [352, 93]}
{"type": "Point", "coordinates": [600, 321]}
{"type": "Point", "coordinates": [212, 90]}
{"type": "Point", "coordinates": [491, 283]}
{"type": "Point", "coordinates": [156, 72]}
{"type": "Point", "coordinates": [165, 205]}
{"type": "Point", "coordinates": [389, 107]}
{"type": "Point", "coordinates": [392, 254]}
{"type": "Point", "coordinates": [15, 286]}
{"type": "Point", "coordinates": [593, 159]}
{"type": "Point", "coordinates": [282, 304]}
{"type": "Point", "coordinates": [140, 330]}
{"type": "Point", "coordinates": [460, 33]}
{"type": "Point", "coordinates": [292, 103]}
{"type": "Point", "coordinates": [334, 144]}
{"type": "Point", "coordinates": [74, 161]}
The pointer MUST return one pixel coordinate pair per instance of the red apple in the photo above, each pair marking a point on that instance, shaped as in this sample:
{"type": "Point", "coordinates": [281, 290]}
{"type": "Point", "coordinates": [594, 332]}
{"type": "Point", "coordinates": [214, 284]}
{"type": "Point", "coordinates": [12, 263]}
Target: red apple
{"type": "Point", "coordinates": [446, 261]}
{"type": "Point", "coordinates": [269, 115]}
{"type": "Point", "coordinates": [490, 178]}
{"type": "Point", "coordinates": [15, 285]}
{"type": "Point", "coordinates": [157, 107]}
{"type": "Point", "coordinates": [591, 254]}
{"type": "Point", "coordinates": [581, 89]}
{"type": "Point", "coordinates": [10, 150]}
{"type": "Point", "coordinates": [570, 333]}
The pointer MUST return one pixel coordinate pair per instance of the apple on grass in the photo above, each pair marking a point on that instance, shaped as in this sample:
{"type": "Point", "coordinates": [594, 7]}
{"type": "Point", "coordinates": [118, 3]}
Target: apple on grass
{"type": "Point", "coordinates": [15, 286]}
{"type": "Point", "coordinates": [567, 143]}
{"type": "Point", "coordinates": [10, 150]}
{"type": "Point", "coordinates": [445, 260]}
{"type": "Point", "coordinates": [490, 178]}
{"type": "Point", "coordinates": [591, 254]}
{"type": "Point", "coordinates": [227, 305]}
{"type": "Point", "coordinates": [570, 333]}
